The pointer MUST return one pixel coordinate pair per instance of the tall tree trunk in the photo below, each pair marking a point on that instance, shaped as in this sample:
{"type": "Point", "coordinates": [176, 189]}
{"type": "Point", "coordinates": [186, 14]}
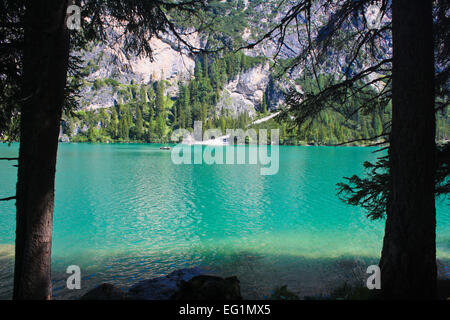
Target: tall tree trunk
{"type": "Point", "coordinates": [44, 78]}
{"type": "Point", "coordinates": [408, 262]}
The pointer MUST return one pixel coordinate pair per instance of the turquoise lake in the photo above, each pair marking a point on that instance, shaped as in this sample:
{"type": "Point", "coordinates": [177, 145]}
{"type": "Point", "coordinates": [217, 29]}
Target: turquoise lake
{"type": "Point", "coordinates": [125, 212]}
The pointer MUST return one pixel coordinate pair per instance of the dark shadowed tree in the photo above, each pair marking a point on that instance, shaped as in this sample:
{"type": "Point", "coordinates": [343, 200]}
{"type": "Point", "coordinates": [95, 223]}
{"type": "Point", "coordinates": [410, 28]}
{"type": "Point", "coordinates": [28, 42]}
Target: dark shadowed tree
{"type": "Point", "coordinates": [408, 261]}
{"type": "Point", "coordinates": [45, 65]}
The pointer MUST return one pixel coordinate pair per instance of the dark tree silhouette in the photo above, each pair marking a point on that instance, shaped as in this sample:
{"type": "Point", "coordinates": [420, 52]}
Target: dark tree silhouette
{"type": "Point", "coordinates": [408, 260]}
{"type": "Point", "coordinates": [45, 65]}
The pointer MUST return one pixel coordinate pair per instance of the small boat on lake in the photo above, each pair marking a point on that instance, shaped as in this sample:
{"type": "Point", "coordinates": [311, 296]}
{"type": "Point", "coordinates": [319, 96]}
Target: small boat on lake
{"type": "Point", "coordinates": [165, 148]}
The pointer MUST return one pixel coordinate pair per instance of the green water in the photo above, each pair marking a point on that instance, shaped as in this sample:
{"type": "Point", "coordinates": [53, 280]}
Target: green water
{"type": "Point", "coordinates": [126, 212]}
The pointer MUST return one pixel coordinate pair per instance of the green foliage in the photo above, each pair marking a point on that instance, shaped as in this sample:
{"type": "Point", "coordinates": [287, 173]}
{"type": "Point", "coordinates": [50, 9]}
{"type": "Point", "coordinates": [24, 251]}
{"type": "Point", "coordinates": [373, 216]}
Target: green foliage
{"type": "Point", "coordinates": [98, 84]}
{"type": "Point", "coordinates": [145, 113]}
{"type": "Point", "coordinates": [371, 192]}
{"type": "Point", "coordinates": [111, 83]}
{"type": "Point", "coordinates": [330, 120]}
{"type": "Point", "coordinates": [160, 98]}
{"type": "Point", "coordinates": [113, 128]}
{"type": "Point", "coordinates": [139, 124]}
{"type": "Point", "coordinates": [151, 125]}
{"type": "Point", "coordinates": [197, 100]}
{"type": "Point", "coordinates": [89, 68]}
{"type": "Point", "coordinates": [124, 129]}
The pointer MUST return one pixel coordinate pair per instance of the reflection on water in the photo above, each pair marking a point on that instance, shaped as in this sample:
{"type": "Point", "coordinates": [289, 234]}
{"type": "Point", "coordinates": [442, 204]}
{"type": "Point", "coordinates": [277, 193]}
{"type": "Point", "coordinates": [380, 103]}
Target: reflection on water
{"type": "Point", "coordinates": [125, 213]}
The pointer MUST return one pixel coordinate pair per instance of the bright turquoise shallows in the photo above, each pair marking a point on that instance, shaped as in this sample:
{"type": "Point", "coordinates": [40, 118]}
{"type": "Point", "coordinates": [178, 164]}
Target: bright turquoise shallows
{"type": "Point", "coordinates": [126, 212]}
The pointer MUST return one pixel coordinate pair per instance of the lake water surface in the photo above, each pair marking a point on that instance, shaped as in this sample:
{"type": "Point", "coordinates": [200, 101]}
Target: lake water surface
{"type": "Point", "coordinates": [124, 213]}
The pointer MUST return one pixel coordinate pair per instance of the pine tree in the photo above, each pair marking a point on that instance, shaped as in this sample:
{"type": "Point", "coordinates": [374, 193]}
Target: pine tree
{"type": "Point", "coordinates": [143, 94]}
{"type": "Point", "coordinates": [124, 130]}
{"type": "Point", "coordinates": [150, 94]}
{"type": "Point", "coordinates": [408, 259]}
{"type": "Point", "coordinates": [150, 125]}
{"type": "Point", "coordinates": [113, 129]}
{"type": "Point", "coordinates": [378, 125]}
{"type": "Point", "coordinates": [181, 105]}
{"type": "Point", "coordinates": [198, 70]}
{"type": "Point", "coordinates": [159, 99]}
{"type": "Point", "coordinates": [161, 127]}
{"type": "Point", "coordinates": [188, 112]}
{"type": "Point", "coordinates": [104, 119]}
{"type": "Point", "coordinates": [244, 62]}
{"type": "Point", "coordinates": [223, 124]}
{"type": "Point", "coordinates": [264, 104]}
{"type": "Point", "coordinates": [139, 124]}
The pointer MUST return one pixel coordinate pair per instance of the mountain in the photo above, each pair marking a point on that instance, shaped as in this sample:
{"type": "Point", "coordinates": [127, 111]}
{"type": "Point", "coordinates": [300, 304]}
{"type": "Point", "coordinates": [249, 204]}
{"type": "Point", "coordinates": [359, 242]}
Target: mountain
{"type": "Point", "coordinates": [108, 65]}
{"type": "Point", "coordinates": [225, 90]}
{"type": "Point", "coordinates": [128, 98]}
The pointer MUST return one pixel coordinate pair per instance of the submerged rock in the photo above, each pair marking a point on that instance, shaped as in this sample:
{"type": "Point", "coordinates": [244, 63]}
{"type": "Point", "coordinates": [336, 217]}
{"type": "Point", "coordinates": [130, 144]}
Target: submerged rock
{"type": "Point", "coordinates": [205, 287]}
{"type": "Point", "coordinates": [105, 291]}
{"type": "Point", "coordinates": [162, 288]}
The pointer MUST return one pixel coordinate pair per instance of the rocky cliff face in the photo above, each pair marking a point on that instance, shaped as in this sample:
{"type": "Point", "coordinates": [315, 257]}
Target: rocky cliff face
{"type": "Point", "coordinates": [103, 62]}
{"type": "Point", "coordinates": [172, 64]}
{"type": "Point", "coordinates": [245, 92]}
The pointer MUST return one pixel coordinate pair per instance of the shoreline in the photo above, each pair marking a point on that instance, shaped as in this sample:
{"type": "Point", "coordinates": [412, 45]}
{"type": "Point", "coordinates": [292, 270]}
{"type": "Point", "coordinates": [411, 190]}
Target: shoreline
{"type": "Point", "coordinates": [174, 144]}
{"type": "Point", "coordinates": [438, 143]}
{"type": "Point", "coordinates": [317, 279]}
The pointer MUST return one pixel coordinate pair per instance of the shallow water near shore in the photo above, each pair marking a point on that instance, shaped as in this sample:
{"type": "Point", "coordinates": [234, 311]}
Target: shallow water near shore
{"type": "Point", "coordinates": [124, 213]}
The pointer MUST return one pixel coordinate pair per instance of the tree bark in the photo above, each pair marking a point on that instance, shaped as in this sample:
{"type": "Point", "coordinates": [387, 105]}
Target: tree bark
{"type": "Point", "coordinates": [408, 262]}
{"type": "Point", "coordinates": [45, 64]}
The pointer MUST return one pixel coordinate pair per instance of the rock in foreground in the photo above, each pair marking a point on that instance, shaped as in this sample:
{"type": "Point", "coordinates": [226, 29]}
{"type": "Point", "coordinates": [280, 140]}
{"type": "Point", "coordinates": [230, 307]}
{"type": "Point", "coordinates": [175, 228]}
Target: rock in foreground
{"type": "Point", "coordinates": [162, 288]}
{"type": "Point", "coordinates": [209, 288]}
{"type": "Point", "coordinates": [184, 284]}
{"type": "Point", "coordinates": [105, 291]}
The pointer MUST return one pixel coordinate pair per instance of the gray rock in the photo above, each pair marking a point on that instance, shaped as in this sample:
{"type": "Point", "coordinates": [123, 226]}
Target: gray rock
{"type": "Point", "coordinates": [64, 138]}
{"type": "Point", "coordinates": [105, 291]}
{"type": "Point", "coordinates": [162, 288]}
{"type": "Point", "coordinates": [205, 287]}
{"type": "Point", "coordinates": [245, 92]}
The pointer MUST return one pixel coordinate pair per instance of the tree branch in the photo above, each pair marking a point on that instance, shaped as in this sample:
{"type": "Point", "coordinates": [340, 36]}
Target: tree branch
{"type": "Point", "coordinates": [363, 139]}
{"type": "Point", "coordinates": [9, 199]}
